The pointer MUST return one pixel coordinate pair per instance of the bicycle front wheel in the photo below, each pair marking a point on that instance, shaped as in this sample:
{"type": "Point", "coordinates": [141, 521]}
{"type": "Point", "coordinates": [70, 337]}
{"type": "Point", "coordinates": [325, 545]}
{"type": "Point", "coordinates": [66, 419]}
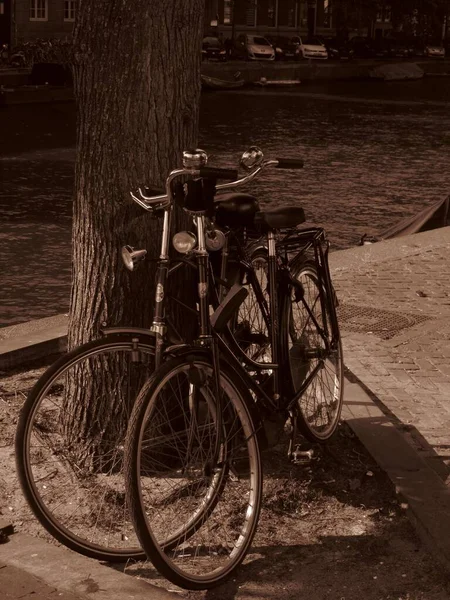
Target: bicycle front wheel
{"type": "Point", "coordinates": [193, 469]}
{"type": "Point", "coordinates": [69, 445]}
{"type": "Point", "coordinates": [313, 356]}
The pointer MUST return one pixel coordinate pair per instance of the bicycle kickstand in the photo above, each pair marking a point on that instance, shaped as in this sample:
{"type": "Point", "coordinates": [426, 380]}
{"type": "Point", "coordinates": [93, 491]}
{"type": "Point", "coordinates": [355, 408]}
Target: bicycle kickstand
{"type": "Point", "coordinates": [298, 454]}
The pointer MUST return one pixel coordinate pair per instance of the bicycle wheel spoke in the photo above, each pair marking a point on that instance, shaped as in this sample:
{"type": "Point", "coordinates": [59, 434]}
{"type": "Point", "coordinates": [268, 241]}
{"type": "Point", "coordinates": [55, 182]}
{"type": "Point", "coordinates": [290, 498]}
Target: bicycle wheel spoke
{"type": "Point", "coordinates": [312, 360]}
{"type": "Point", "coordinates": [69, 448]}
{"type": "Point", "coordinates": [251, 330]}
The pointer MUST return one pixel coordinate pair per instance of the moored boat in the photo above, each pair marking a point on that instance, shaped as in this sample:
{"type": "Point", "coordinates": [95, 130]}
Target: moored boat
{"type": "Point", "coordinates": [212, 83]}
{"type": "Point", "coordinates": [432, 217]}
{"type": "Point", "coordinates": [263, 82]}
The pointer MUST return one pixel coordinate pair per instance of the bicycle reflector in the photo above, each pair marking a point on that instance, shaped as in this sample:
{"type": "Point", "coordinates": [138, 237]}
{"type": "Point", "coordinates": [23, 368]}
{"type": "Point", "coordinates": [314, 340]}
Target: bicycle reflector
{"type": "Point", "coordinates": [131, 257]}
{"type": "Point", "coordinates": [184, 242]}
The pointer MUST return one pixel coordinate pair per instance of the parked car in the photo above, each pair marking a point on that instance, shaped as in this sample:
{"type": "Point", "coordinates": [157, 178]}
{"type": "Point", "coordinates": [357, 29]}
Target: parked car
{"type": "Point", "coordinates": [288, 48]}
{"type": "Point", "coordinates": [337, 49]}
{"type": "Point", "coordinates": [401, 49]}
{"type": "Point", "coordinates": [362, 47]}
{"type": "Point", "coordinates": [275, 43]}
{"type": "Point", "coordinates": [382, 47]}
{"type": "Point", "coordinates": [435, 51]}
{"type": "Point", "coordinates": [418, 48]}
{"type": "Point", "coordinates": [213, 49]}
{"type": "Point", "coordinates": [311, 48]}
{"type": "Point", "coordinates": [253, 47]}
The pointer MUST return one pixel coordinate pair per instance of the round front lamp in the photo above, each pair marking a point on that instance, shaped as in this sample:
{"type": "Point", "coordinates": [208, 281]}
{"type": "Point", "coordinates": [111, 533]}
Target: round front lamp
{"type": "Point", "coordinates": [184, 242]}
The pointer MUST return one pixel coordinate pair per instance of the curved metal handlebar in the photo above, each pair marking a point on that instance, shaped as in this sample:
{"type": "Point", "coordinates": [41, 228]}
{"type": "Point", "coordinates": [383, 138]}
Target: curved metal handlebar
{"type": "Point", "coordinates": [165, 200]}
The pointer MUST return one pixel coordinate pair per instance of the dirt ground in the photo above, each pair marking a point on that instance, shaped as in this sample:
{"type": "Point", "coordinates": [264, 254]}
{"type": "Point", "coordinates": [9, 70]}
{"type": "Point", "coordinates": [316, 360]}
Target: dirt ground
{"type": "Point", "coordinates": [329, 529]}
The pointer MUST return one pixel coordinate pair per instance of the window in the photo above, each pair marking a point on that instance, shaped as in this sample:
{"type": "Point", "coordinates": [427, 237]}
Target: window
{"type": "Point", "coordinates": [327, 14]}
{"type": "Point", "coordinates": [227, 12]}
{"type": "Point", "coordinates": [38, 10]}
{"type": "Point", "coordinates": [250, 13]}
{"type": "Point", "coordinates": [69, 10]}
{"type": "Point", "coordinates": [384, 13]}
{"type": "Point", "coordinates": [271, 14]}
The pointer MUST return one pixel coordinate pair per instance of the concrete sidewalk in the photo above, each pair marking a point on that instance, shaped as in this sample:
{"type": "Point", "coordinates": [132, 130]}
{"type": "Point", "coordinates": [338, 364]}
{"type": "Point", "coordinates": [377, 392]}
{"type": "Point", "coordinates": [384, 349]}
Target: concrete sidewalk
{"type": "Point", "coordinates": [395, 321]}
{"type": "Point", "coordinates": [32, 569]}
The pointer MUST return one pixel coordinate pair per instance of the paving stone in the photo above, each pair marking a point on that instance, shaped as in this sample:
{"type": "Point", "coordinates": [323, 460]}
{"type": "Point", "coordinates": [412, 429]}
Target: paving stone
{"type": "Point", "coordinates": [410, 372]}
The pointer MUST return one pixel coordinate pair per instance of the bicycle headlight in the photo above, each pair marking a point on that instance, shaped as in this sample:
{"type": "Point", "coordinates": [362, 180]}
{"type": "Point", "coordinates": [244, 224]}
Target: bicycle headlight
{"type": "Point", "coordinates": [132, 257]}
{"type": "Point", "coordinates": [184, 242]}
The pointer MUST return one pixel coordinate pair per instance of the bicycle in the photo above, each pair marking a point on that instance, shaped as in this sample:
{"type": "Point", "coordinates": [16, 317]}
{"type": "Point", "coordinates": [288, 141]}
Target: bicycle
{"type": "Point", "coordinates": [75, 488]}
{"type": "Point", "coordinates": [193, 444]}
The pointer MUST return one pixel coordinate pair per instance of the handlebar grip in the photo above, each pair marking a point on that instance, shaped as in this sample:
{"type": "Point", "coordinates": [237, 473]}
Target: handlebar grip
{"type": "Point", "coordinates": [153, 191]}
{"type": "Point", "coordinates": [218, 173]}
{"type": "Point", "coordinates": [290, 163]}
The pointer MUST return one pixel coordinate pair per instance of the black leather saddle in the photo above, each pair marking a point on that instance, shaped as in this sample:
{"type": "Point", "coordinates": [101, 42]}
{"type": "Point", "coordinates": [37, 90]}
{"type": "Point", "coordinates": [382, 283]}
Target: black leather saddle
{"type": "Point", "coordinates": [242, 210]}
{"type": "Point", "coordinates": [236, 210]}
{"type": "Point", "coordinates": [279, 218]}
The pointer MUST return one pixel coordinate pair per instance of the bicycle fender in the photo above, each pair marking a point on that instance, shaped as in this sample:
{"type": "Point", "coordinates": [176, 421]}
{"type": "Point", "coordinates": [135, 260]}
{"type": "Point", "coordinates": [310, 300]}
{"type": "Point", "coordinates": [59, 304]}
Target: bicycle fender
{"type": "Point", "coordinates": [131, 330]}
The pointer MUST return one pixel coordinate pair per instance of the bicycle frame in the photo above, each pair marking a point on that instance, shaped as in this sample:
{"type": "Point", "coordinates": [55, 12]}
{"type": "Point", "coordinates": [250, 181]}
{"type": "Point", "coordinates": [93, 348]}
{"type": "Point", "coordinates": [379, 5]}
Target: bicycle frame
{"type": "Point", "coordinates": [300, 242]}
{"type": "Point", "coordinates": [279, 284]}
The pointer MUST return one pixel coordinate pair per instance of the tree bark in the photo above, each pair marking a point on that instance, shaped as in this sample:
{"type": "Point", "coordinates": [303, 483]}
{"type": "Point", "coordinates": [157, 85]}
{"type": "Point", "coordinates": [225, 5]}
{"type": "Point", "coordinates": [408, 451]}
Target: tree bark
{"type": "Point", "coordinates": [137, 87]}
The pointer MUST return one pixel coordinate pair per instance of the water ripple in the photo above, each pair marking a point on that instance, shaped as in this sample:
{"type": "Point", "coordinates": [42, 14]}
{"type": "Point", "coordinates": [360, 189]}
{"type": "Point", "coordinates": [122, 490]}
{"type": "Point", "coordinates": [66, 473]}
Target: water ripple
{"type": "Point", "coordinates": [367, 165]}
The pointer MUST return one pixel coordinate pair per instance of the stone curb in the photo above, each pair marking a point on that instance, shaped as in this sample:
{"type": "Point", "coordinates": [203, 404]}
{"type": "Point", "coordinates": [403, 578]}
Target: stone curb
{"type": "Point", "coordinates": [26, 342]}
{"type": "Point", "coordinates": [419, 487]}
{"type": "Point", "coordinates": [70, 572]}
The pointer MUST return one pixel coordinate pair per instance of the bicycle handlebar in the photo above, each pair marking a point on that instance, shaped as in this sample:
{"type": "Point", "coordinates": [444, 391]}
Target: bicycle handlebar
{"type": "Point", "coordinates": [162, 201]}
{"type": "Point", "coordinates": [219, 173]}
{"type": "Point", "coordinates": [290, 163]}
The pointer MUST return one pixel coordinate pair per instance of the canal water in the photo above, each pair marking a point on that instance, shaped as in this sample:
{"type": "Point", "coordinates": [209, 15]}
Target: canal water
{"type": "Point", "coordinates": [374, 153]}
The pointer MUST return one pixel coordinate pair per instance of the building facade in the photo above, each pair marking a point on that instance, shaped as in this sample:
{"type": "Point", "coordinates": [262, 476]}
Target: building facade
{"type": "Point", "coordinates": [24, 20]}
{"type": "Point", "coordinates": [269, 17]}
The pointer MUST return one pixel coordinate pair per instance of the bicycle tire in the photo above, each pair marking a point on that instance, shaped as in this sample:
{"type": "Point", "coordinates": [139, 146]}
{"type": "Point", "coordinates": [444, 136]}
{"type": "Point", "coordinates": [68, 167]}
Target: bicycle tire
{"type": "Point", "coordinates": [80, 501]}
{"type": "Point", "coordinates": [320, 406]}
{"type": "Point", "coordinates": [209, 505]}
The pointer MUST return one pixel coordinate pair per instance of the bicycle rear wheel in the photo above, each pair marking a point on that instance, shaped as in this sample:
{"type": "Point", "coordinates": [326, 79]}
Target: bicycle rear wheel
{"type": "Point", "coordinates": [250, 329]}
{"type": "Point", "coordinates": [306, 325]}
{"type": "Point", "coordinates": [69, 445]}
{"type": "Point", "coordinates": [194, 478]}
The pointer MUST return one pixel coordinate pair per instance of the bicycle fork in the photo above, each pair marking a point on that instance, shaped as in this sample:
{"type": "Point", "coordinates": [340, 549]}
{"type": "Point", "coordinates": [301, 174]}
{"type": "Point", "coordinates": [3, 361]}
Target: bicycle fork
{"type": "Point", "coordinates": [158, 325]}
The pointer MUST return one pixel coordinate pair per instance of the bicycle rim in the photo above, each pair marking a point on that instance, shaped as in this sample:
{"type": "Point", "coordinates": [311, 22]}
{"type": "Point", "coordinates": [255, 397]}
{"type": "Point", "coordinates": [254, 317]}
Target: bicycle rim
{"type": "Point", "coordinates": [321, 404]}
{"type": "Point", "coordinates": [195, 503]}
{"type": "Point", "coordinates": [69, 446]}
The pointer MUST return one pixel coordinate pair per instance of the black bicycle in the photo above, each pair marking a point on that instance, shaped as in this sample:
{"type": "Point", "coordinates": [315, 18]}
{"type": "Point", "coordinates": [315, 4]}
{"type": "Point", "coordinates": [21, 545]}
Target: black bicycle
{"type": "Point", "coordinates": [71, 430]}
{"type": "Point", "coordinates": [192, 453]}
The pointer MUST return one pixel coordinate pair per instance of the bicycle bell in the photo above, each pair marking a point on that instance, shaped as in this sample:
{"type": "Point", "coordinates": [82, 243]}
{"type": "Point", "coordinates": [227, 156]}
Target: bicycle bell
{"type": "Point", "coordinates": [251, 158]}
{"type": "Point", "coordinates": [194, 159]}
{"type": "Point", "coordinates": [214, 240]}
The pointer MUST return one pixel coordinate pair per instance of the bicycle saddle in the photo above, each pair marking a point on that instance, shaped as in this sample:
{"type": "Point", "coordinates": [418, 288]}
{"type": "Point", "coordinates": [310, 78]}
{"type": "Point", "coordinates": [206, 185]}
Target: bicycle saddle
{"type": "Point", "coordinates": [278, 218]}
{"type": "Point", "coordinates": [236, 210]}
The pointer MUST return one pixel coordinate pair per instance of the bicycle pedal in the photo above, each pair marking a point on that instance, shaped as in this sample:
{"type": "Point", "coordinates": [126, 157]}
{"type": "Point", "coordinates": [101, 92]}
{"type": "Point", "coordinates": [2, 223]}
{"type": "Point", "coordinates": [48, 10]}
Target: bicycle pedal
{"type": "Point", "coordinates": [302, 456]}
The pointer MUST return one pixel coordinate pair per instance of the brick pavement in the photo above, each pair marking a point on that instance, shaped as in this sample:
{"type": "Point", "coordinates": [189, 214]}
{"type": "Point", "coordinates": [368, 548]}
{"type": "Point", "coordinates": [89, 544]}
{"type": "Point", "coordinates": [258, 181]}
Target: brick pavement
{"type": "Point", "coordinates": [395, 322]}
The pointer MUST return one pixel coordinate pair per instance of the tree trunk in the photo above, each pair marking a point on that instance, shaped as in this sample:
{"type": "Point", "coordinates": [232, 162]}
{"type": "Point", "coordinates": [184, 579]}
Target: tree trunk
{"type": "Point", "coordinates": [137, 87]}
